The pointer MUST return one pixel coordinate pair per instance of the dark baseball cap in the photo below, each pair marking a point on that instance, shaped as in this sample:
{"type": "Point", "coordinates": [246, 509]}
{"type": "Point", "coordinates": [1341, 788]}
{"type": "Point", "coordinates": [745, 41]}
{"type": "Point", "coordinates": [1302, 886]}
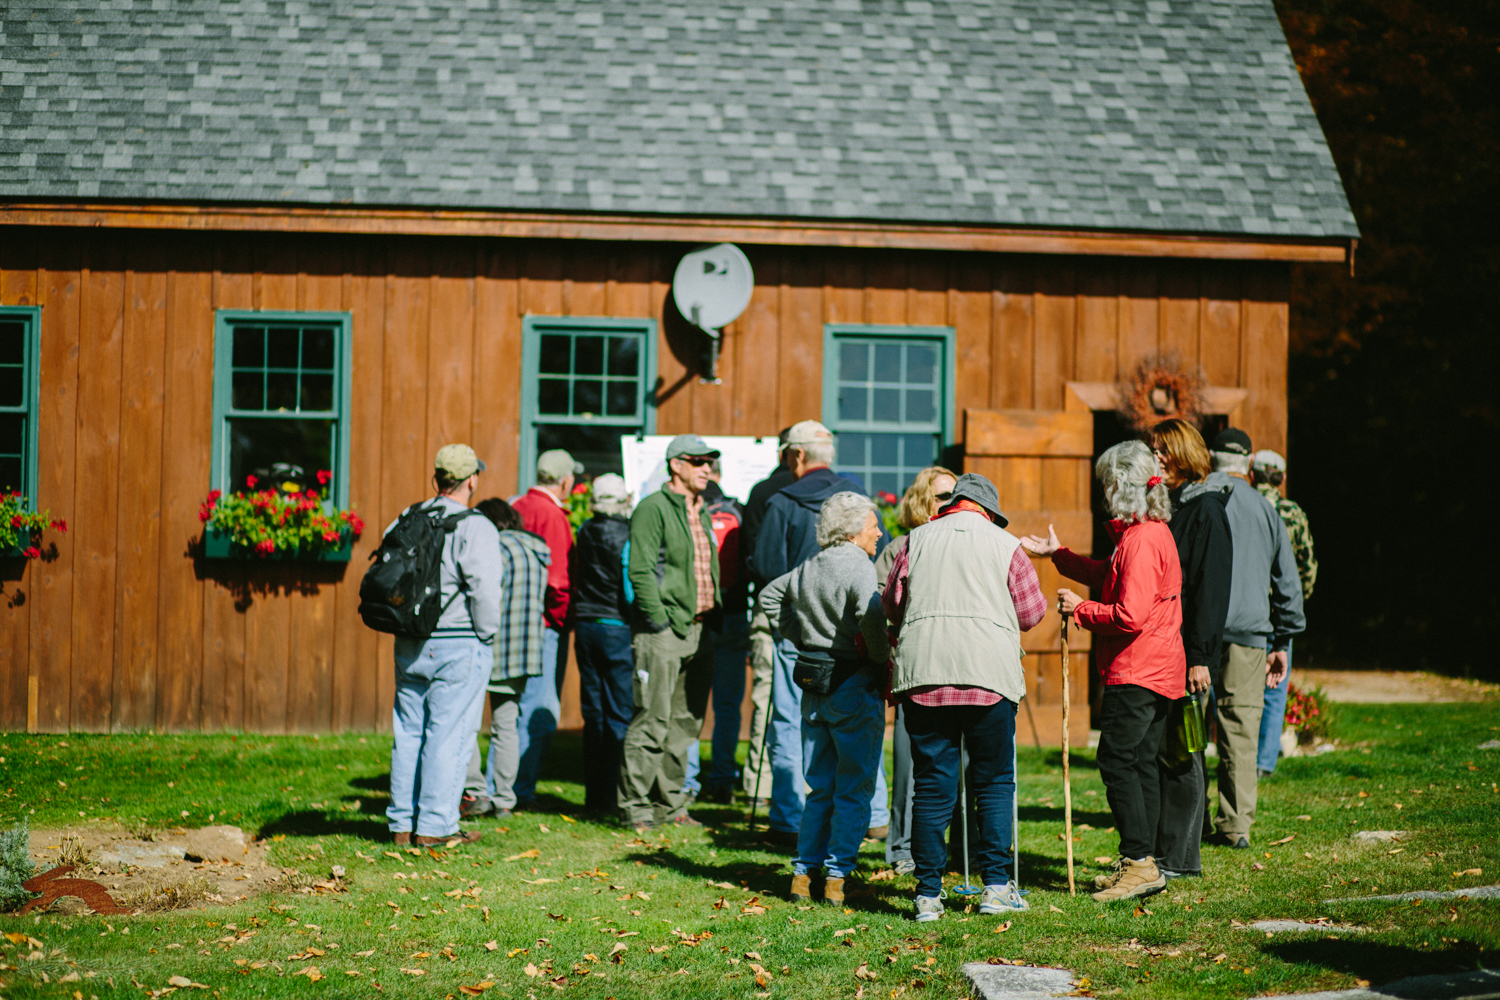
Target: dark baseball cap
{"type": "Point", "coordinates": [1232, 441]}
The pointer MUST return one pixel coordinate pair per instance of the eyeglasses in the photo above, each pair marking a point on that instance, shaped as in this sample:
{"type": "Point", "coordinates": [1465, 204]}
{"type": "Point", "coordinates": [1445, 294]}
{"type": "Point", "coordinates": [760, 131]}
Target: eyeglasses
{"type": "Point", "coordinates": [696, 460]}
{"type": "Point", "coordinates": [944, 497]}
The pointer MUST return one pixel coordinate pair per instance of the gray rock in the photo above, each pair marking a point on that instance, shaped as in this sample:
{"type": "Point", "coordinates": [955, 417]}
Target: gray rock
{"type": "Point", "coordinates": [1381, 836]}
{"type": "Point", "coordinates": [1284, 926]}
{"type": "Point", "coordinates": [1481, 985]}
{"type": "Point", "coordinates": [1478, 892]}
{"type": "Point", "coordinates": [1491, 745]}
{"type": "Point", "coordinates": [1015, 982]}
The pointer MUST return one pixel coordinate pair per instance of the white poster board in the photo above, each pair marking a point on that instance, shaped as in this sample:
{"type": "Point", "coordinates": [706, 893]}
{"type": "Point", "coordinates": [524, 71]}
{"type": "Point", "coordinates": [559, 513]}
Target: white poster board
{"type": "Point", "coordinates": [745, 461]}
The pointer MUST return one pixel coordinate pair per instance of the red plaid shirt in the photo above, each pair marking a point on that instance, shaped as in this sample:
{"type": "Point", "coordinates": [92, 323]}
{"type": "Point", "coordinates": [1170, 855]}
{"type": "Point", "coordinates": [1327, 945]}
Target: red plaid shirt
{"type": "Point", "coordinates": [1025, 593]}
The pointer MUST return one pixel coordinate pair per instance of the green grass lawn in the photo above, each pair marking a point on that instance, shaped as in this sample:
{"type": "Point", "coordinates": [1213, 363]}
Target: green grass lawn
{"type": "Point", "coordinates": [592, 893]}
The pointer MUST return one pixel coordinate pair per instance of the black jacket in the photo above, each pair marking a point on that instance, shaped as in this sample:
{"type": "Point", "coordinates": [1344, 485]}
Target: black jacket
{"type": "Point", "coordinates": [789, 534]}
{"type": "Point", "coordinates": [597, 569]}
{"type": "Point", "coordinates": [755, 513]}
{"type": "Point", "coordinates": [1206, 551]}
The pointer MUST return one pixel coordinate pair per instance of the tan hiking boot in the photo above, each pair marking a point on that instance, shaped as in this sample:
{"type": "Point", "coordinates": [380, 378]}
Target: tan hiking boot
{"type": "Point", "coordinates": [1136, 878]}
{"type": "Point", "coordinates": [1110, 878]}
{"type": "Point", "coordinates": [801, 889]}
{"type": "Point", "coordinates": [833, 892]}
{"type": "Point", "coordinates": [403, 838]}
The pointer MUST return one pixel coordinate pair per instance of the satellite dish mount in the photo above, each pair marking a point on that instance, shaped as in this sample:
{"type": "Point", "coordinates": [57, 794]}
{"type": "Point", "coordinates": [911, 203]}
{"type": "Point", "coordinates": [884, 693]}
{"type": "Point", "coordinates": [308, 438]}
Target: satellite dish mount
{"type": "Point", "coordinates": [712, 287]}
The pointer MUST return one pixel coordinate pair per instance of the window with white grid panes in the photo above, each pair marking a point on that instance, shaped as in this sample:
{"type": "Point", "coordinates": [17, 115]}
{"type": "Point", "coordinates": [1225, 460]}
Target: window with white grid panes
{"type": "Point", "coordinates": [890, 406]}
{"type": "Point", "coordinates": [18, 400]}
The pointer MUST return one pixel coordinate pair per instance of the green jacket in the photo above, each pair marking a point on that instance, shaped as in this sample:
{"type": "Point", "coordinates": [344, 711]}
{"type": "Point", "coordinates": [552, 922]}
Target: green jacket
{"type": "Point", "coordinates": [1300, 532]}
{"type": "Point", "coordinates": [661, 562]}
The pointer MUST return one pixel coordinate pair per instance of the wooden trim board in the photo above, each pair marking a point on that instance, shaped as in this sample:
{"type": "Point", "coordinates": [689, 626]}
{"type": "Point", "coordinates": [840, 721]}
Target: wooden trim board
{"type": "Point", "coordinates": [783, 232]}
{"type": "Point", "coordinates": [1015, 433]}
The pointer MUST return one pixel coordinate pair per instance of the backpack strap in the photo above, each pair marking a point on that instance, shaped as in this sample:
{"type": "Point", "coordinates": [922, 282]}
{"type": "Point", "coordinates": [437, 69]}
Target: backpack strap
{"type": "Point", "coordinates": [450, 525]}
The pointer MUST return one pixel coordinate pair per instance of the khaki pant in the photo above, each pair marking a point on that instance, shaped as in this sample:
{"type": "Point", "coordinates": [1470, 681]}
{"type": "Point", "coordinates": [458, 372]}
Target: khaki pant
{"type": "Point", "coordinates": [756, 784]}
{"type": "Point", "coordinates": [673, 677]}
{"type": "Point", "coordinates": [1239, 694]}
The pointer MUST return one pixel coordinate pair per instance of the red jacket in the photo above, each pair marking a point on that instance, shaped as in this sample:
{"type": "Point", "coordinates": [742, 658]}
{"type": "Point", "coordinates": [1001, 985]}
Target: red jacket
{"type": "Point", "coordinates": [541, 515]}
{"type": "Point", "coordinates": [1139, 618]}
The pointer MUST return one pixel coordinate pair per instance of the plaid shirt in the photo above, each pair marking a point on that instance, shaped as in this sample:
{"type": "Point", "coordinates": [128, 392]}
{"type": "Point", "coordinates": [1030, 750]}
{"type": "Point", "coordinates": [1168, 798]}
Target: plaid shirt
{"type": "Point", "coordinates": [524, 558]}
{"type": "Point", "coordinates": [703, 555]}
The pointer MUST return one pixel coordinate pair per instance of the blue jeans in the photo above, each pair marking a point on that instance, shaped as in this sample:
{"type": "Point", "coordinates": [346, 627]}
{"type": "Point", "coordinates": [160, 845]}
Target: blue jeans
{"type": "Point", "coordinates": [989, 736]}
{"type": "Point", "coordinates": [785, 736]}
{"type": "Point", "coordinates": [731, 648]}
{"type": "Point", "coordinates": [1273, 718]}
{"type": "Point", "coordinates": [438, 682]}
{"type": "Point", "coordinates": [605, 670]}
{"type": "Point", "coordinates": [843, 737]}
{"type": "Point", "coordinates": [541, 705]}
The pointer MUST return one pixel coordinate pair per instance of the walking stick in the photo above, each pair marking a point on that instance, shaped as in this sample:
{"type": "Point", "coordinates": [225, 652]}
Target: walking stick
{"type": "Point", "coordinates": [1067, 785]}
{"type": "Point", "coordinates": [765, 741]}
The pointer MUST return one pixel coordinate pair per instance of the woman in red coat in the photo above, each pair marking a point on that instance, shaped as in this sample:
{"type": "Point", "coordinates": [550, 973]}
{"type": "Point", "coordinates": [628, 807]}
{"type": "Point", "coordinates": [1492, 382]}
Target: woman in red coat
{"type": "Point", "coordinates": [1138, 625]}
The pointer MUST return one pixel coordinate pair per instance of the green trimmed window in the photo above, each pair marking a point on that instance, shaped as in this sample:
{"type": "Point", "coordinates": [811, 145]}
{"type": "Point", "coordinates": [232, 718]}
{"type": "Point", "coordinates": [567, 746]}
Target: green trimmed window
{"type": "Point", "coordinates": [585, 383]}
{"type": "Point", "coordinates": [281, 402]}
{"type": "Point", "coordinates": [19, 334]}
{"type": "Point", "coordinates": [888, 398]}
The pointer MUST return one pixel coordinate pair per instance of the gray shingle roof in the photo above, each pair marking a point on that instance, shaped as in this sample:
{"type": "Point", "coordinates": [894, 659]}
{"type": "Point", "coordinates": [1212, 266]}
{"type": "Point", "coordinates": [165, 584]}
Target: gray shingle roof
{"type": "Point", "coordinates": [1176, 115]}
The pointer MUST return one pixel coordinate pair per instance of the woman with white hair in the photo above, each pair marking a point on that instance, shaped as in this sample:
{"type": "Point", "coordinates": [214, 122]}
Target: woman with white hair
{"type": "Point", "coordinates": [1138, 622]}
{"type": "Point", "coordinates": [829, 608]}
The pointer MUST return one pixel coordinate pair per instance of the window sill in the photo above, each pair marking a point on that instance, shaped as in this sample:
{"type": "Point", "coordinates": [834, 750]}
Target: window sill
{"type": "Point", "coordinates": [216, 545]}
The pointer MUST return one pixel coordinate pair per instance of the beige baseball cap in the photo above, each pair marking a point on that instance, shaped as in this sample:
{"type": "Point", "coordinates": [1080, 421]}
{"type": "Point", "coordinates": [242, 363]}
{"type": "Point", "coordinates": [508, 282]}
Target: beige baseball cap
{"type": "Point", "coordinates": [556, 465]}
{"type": "Point", "coordinates": [808, 432]}
{"type": "Point", "coordinates": [457, 461]}
{"type": "Point", "coordinates": [611, 487]}
{"type": "Point", "coordinates": [1267, 459]}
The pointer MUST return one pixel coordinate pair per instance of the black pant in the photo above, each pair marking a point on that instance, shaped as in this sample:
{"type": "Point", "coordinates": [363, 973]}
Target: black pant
{"type": "Point", "coordinates": [1180, 826]}
{"type": "Point", "coordinates": [1129, 737]}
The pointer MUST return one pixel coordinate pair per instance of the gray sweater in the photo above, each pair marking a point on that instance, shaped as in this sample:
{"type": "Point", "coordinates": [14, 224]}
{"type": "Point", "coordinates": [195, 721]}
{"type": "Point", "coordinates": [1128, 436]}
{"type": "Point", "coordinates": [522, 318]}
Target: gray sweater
{"type": "Point", "coordinates": [471, 564]}
{"type": "Point", "coordinates": [828, 600]}
{"type": "Point", "coordinates": [1265, 593]}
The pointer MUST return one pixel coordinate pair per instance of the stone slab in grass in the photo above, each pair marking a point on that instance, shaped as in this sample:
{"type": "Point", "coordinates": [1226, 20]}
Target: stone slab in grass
{"type": "Point", "coordinates": [1291, 926]}
{"type": "Point", "coordinates": [1017, 982]}
{"type": "Point", "coordinates": [1380, 836]}
{"type": "Point", "coordinates": [1483, 984]}
{"type": "Point", "coordinates": [1478, 892]}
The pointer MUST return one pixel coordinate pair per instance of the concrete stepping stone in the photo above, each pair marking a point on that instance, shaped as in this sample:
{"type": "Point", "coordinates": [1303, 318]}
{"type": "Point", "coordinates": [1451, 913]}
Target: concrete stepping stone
{"type": "Point", "coordinates": [1289, 926]}
{"type": "Point", "coordinates": [1478, 892]}
{"type": "Point", "coordinates": [1481, 985]}
{"type": "Point", "coordinates": [1017, 982]}
{"type": "Point", "coordinates": [1380, 836]}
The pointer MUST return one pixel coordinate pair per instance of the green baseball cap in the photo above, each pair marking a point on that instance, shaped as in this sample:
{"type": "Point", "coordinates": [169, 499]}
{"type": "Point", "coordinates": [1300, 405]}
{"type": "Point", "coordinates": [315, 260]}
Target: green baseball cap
{"type": "Point", "coordinates": [457, 461]}
{"type": "Point", "coordinates": [689, 444]}
{"type": "Point", "coordinates": [556, 465]}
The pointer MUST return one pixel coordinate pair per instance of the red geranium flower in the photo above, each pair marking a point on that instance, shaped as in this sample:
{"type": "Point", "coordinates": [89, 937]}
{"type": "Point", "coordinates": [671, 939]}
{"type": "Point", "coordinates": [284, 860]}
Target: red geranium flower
{"type": "Point", "coordinates": [580, 488]}
{"type": "Point", "coordinates": [61, 526]}
{"type": "Point", "coordinates": [32, 552]}
{"type": "Point", "coordinates": [266, 547]}
{"type": "Point", "coordinates": [324, 476]}
{"type": "Point", "coordinates": [17, 521]}
{"type": "Point", "coordinates": [250, 481]}
{"type": "Point", "coordinates": [330, 537]}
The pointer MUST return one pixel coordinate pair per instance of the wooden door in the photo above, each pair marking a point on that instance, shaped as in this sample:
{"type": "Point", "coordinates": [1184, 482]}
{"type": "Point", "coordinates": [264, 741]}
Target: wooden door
{"type": "Point", "coordinates": [1039, 461]}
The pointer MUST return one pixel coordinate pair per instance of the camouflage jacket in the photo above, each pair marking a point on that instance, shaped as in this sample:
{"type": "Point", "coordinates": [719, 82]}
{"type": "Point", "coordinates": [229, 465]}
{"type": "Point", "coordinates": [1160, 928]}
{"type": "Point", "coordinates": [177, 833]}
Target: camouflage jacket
{"type": "Point", "coordinates": [1300, 532]}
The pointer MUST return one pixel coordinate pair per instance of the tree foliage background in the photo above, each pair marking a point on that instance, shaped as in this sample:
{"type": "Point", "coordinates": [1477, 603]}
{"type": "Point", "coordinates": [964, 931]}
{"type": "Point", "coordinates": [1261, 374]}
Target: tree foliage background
{"type": "Point", "coordinates": [1395, 372]}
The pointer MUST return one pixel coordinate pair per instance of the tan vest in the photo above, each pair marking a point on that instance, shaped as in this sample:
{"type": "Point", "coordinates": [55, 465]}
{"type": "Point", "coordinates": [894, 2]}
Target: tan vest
{"type": "Point", "coordinates": [960, 625]}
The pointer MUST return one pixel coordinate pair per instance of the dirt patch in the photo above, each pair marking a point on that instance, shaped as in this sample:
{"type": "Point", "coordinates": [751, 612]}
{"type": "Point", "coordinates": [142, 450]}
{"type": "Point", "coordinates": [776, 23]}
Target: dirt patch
{"type": "Point", "coordinates": [1392, 686]}
{"type": "Point", "coordinates": [208, 866]}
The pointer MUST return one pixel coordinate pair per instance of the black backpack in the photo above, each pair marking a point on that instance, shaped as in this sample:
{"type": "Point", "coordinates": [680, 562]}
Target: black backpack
{"type": "Point", "coordinates": [401, 592]}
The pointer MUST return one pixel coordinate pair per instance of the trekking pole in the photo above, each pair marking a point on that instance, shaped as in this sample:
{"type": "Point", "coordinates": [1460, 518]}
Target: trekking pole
{"type": "Point", "coordinates": [1067, 785]}
{"type": "Point", "coordinates": [1015, 820]}
{"type": "Point", "coordinates": [963, 805]}
{"type": "Point", "coordinates": [765, 741]}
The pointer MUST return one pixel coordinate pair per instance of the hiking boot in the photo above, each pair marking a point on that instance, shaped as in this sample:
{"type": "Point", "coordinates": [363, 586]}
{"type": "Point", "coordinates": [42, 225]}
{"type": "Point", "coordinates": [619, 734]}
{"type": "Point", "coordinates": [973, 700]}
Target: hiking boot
{"type": "Point", "coordinates": [681, 821]}
{"type": "Point", "coordinates": [1002, 898]}
{"type": "Point", "coordinates": [1136, 879]}
{"type": "Point", "coordinates": [929, 908]}
{"type": "Point", "coordinates": [1236, 841]}
{"type": "Point", "coordinates": [905, 866]}
{"type": "Point", "coordinates": [473, 805]}
{"type": "Point", "coordinates": [402, 838]}
{"type": "Point", "coordinates": [1169, 874]}
{"type": "Point", "coordinates": [833, 891]}
{"type": "Point", "coordinates": [878, 832]}
{"type": "Point", "coordinates": [461, 837]}
{"type": "Point", "coordinates": [1110, 878]}
{"type": "Point", "coordinates": [801, 889]}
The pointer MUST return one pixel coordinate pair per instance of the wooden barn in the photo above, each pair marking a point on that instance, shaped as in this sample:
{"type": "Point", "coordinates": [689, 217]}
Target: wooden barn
{"type": "Point", "coordinates": [235, 232]}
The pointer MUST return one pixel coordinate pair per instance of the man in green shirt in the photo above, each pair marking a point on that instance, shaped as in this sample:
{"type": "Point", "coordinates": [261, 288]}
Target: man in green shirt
{"type": "Point", "coordinates": [1269, 470]}
{"type": "Point", "coordinates": [674, 571]}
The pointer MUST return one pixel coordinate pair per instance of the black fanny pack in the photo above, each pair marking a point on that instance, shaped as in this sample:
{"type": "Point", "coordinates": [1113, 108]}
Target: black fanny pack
{"type": "Point", "coordinates": [818, 672]}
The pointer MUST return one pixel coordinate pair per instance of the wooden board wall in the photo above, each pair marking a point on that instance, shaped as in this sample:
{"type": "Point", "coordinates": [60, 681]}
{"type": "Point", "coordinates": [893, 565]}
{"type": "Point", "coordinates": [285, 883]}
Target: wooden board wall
{"type": "Point", "coordinates": [126, 628]}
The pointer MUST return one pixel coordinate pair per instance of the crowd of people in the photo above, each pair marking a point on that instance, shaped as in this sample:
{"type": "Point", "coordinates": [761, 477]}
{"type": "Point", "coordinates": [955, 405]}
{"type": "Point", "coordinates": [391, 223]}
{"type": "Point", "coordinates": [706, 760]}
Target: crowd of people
{"type": "Point", "coordinates": [667, 596]}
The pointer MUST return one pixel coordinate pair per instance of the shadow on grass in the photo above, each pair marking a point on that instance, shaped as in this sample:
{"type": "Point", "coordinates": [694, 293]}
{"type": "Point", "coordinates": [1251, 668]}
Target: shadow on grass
{"type": "Point", "coordinates": [1382, 963]}
{"type": "Point", "coordinates": [318, 823]}
{"type": "Point", "coordinates": [1044, 814]}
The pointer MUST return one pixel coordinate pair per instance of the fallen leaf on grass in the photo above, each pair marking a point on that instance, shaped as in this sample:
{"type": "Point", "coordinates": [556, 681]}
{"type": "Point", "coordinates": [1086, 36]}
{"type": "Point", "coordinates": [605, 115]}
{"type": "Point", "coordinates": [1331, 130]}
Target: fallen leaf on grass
{"type": "Point", "coordinates": [1053, 908]}
{"type": "Point", "coordinates": [1396, 851]}
{"type": "Point", "coordinates": [1304, 818]}
{"type": "Point", "coordinates": [570, 819]}
{"type": "Point", "coordinates": [617, 953]}
{"type": "Point", "coordinates": [1470, 871]}
{"type": "Point", "coordinates": [533, 853]}
{"type": "Point", "coordinates": [657, 949]}
{"type": "Point", "coordinates": [1003, 928]}
{"type": "Point", "coordinates": [476, 989]}
{"type": "Point", "coordinates": [841, 933]}
{"type": "Point", "coordinates": [863, 972]}
{"type": "Point", "coordinates": [311, 972]}
{"type": "Point", "coordinates": [353, 972]}
{"type": "Point", "coordinates": [539, 881]}
{"type": "Point", "coordinates": [752, 907]}
{"type": "Point", "coordinates": [1284, 840]}
{"type": "Point", "coordinates": [414, 972]}
{"type": "Point", "coordinates": [1102, 860]}
{"type": "Point", "coordinates": [724, 885]}
{"type": "Point", "coordinates": [544, 827]}
{"type": "Point", "coordinates": [762, 977]}
{"type": "Point", "coordinates": [884, 875]}
{"type": "Point", "coordinates": [753, 955]}
{"type": "Point", "coordinates": [491, 945]}
{"type": "Point", "coordinates": [1257, 867]}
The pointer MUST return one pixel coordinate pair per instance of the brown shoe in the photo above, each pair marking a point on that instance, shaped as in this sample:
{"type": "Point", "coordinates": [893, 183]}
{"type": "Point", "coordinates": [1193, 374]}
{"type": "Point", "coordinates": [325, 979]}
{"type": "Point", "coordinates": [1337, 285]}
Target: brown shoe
{"type": "Point", "coordinates": [801, 889]}
{"type": "Point", "coordinates": [1136, 879]}
{"type": "Point", "coordinates": [833, 892]}
{"type": "Point", "coordinates": [878, 832]}
{"type": "Point", "coordinates": [461, 837]}
{"type": "Point", "coordinates": [403, 838]}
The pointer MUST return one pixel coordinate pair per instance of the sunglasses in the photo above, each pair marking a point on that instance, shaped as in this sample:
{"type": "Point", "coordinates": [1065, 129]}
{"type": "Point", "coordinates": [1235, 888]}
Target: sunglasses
{"type": "Point", "coordinates": [696, 460]}
{"type": "Point", "coordinates": [944, 497]}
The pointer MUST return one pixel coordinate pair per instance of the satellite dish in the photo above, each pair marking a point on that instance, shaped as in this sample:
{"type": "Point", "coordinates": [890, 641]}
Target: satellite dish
{"type": "Point", "coordinates": [712, 286]}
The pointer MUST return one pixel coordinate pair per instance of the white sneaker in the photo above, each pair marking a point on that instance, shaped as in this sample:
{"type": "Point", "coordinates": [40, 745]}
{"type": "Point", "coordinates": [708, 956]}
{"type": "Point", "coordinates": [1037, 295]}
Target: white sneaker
{"type": "Point", "coordinates": [929, 908]}
{"type": "Point", "coordinates": [1003, 898]}
{"type": "Point", "coordinates": [905, 866]}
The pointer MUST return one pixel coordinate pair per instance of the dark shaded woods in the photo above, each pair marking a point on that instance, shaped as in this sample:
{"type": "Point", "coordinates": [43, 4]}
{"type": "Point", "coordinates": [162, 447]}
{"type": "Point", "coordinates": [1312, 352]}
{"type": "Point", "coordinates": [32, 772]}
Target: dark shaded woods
{"type": "Point", "coordinates": [1395, 372]}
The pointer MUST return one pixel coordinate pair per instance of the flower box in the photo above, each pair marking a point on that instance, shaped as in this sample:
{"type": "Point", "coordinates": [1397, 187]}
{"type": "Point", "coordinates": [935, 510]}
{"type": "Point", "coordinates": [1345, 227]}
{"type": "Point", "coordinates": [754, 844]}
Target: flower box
{"type": "Point", "coordinates": [218, 545]}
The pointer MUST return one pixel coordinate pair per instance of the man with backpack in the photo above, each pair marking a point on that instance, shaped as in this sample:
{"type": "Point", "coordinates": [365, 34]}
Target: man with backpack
{"type": "Point", "coordinates": [435, 583]}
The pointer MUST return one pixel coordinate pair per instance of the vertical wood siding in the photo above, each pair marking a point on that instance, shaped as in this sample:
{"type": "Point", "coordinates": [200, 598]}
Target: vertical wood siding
{"type": "Point", "coordinates": [124, 626]}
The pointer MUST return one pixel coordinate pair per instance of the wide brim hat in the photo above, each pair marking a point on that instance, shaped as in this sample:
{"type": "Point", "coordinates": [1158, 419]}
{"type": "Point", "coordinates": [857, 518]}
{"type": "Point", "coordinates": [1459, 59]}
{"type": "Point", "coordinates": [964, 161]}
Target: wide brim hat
{"type": "Point", "coordinates": [973, 486]}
